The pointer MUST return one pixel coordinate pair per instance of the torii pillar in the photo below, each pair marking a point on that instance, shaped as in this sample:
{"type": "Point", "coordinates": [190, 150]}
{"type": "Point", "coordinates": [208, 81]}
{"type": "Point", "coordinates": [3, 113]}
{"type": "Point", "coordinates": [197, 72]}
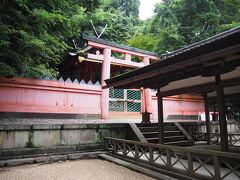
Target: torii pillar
{"type": "Point", "coordinates": [106, 64]}
{"type": "Point", "coordinates": [147, 92]}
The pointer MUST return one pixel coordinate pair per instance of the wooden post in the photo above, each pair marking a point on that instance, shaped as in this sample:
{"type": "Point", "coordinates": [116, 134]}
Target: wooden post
{"type": "Point", "coordinates": [114, 147]}
{"type": "Point", "coordinates": [169, 158]}
{"type": "Point", "coordinates": [231, 140]}
{"type": "Point", "coordinates": [208, 134]}
{"type": "Point", "coordinates": [217, 170]}
{"type": "Point", "coordinates": [136, 156]}
{"type": "Point", "coordinates": [222, 114]}
{"type": "Point", "coordinates": [190, 162]}
{"type": "Point", "coordinates": [151, 158]}
{"type": "Point", "coordinates": [105, 75]}
{"type": "Point", "coordinates": [160, 117]}
{"type": "Point", "coordinates": [214, 113]}
{"type": "Point", "coordinates": [124, 149]}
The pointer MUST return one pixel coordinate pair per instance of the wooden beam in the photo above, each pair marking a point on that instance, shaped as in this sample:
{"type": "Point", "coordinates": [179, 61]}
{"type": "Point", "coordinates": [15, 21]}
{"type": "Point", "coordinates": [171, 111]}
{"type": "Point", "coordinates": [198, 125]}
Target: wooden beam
{"type": "Point", "coordinates": [163, 68]}
{"type": "Point", "coordinates": [121, 50]}
{"type": "Point", "coordinates": [190, 71]}
{"type": "Point", "coordinates": [201, 88]}
{"type": "Point", "coordinates": [233, 97]}
{"type": "Point", "coordinates": [138, 132]}
{"type": "Point", "coordinates": [179, 126]}
{"type": "Point", "coordinates": [222, 114]}
{"type": "Point", "coordinates": [160, 117]}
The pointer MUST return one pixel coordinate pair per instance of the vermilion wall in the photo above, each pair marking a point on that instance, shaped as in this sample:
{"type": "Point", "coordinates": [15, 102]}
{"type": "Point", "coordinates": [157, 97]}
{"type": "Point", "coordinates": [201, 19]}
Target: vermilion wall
{"type": "Point", "coordinates": [179, 105]}
{"type": "Point", "coordinates": [28, 95]}
{"type": "Point", "coordinates": [43, 96]}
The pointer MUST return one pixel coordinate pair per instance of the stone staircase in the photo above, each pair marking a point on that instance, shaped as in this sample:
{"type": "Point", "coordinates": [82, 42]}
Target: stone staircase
{"type": "Point", "coordinates": [172, 134]}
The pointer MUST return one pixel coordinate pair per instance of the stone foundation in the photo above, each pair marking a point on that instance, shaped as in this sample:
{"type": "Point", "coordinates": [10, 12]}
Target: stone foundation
{"type": "Point", "coordinates": [55, 135]}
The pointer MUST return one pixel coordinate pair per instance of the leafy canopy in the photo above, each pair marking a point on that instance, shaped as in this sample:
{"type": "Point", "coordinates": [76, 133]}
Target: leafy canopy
{"type": "Point", "coordinates": [178, 23]}
{"type": "Point", "coordinates": [35, 34]}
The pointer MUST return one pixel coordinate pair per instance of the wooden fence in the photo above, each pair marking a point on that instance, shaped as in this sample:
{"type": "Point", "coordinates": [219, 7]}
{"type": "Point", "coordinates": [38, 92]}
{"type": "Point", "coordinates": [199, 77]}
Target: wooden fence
{"type": "Point", "coordinates": [233, 138]}
{"type": "Point", "coordinates": [195, 163]}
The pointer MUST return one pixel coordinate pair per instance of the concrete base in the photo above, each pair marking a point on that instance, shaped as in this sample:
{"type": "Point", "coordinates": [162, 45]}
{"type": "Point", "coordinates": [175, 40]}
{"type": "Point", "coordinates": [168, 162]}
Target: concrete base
{"type": "Point", "coordinates": [16, 162]}
{"type": "Point", "coordinates": [34, 152]}
{"type": "Point", "coordinates": [35, 136]}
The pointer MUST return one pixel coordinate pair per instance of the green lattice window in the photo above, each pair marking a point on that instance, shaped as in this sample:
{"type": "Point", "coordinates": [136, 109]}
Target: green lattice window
{"type": "Point", "coordinates": [116, 106]}
{"type": "Point", "coordinates": [116, 93]}
{"type": "Point", "coordinates": [133, 106]}
{"type": "Point", "coordinates": [133, 95]}
{"type": "Point", "coordinates": [123, 100]}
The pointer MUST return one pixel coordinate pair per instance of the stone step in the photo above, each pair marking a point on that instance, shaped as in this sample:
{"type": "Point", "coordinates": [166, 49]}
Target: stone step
{"type": "Point", "coordinates": [200, 143]}
{"type": "Point", "coordinates": [154, 124]}
{"type": "Point", "coordinates": [148, 129]}
{"type": "Point", "coordinates": [170, 128]}
{"type": "Point", "coordinates": [155, 128]}
{"type": "Point", "coordinates": [147, 125]}
{"type": "Point", "coordinates": [154, 134]}
{"type": "Point", "coordinates": [152, 140]}
{"type": "Point", "coordinates": [174, 138]}
{"type": "Point", "coordinates": [150, 134]}
{"type": "Point", "coordinates": [172, 133]}
{"type": "Point", "coordinates": [180, 143]}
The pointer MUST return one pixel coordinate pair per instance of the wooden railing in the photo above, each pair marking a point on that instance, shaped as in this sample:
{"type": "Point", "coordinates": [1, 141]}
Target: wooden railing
{"type": "Point", "coordinates": [233, 138]}
{"type": "Point", "coordinates": [188, 162]}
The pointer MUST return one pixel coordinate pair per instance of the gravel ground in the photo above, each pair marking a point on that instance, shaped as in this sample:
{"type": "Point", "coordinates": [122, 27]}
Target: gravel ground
{"type": "Point", "coordinates": [71, 170]}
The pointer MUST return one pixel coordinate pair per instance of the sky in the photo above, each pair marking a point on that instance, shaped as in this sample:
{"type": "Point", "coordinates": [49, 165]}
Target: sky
{"type": "Point", "coordinates": [146, 8]}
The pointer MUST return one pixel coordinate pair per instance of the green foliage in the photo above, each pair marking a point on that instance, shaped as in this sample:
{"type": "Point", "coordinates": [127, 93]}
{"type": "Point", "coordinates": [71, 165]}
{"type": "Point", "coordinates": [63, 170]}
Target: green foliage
{"type": "Point", "coordinates": [121, 17]}
{"type": "Point", "coordinates": [36, 34]}
{"type": "Point", "coordinates": [128, 8]}
{"type": "Point", "coordinates": [198, 19]}
{"type": "Point", "coordinates": [148, 42]}
{"type": "Point", "coordinates": [120, 27]}
{"type": "Point", "coordinates": [178, 23]}
{"type": "Point", "coordinates": [6, 70]}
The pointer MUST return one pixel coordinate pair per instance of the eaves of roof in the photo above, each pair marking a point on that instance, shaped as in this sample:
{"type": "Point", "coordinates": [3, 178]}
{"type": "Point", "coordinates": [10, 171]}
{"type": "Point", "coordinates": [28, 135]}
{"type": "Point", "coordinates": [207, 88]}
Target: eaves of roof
{"type": "Point", "coordinates": [101, 41]}
{"type": "Point", "coordinates": [220, 41]}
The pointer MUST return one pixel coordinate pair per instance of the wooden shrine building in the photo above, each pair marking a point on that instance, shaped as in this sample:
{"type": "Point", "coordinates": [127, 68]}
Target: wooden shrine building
{"type": "Point", "coordinates": [210, 68]}
{"type": "Point", "coordinates": [99, 60]}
